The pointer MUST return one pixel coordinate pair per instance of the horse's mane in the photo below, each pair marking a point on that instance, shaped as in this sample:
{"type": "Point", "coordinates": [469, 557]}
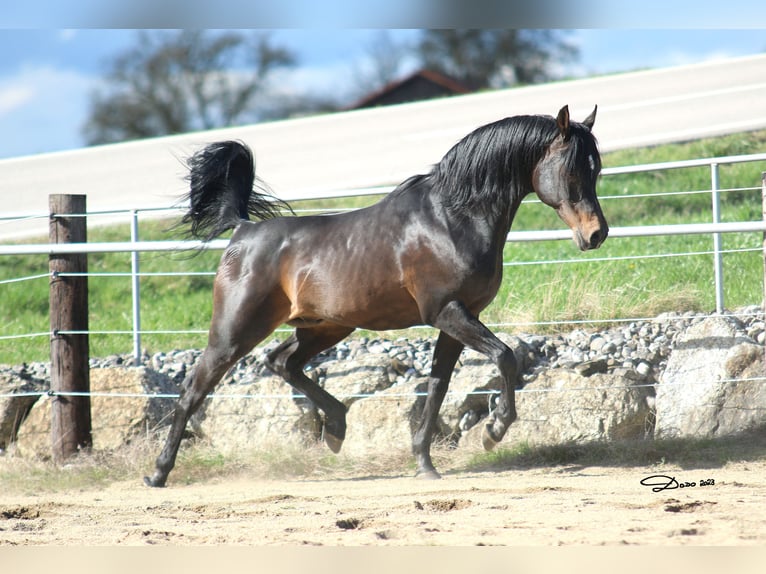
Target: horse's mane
{"type": "Point", "coordinates": [490, 168]}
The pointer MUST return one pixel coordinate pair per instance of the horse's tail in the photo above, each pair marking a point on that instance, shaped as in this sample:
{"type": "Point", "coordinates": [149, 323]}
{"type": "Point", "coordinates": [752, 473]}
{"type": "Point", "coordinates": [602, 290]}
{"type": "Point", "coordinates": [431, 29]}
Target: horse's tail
{"type": "Point", "coordinates": [222, 190]}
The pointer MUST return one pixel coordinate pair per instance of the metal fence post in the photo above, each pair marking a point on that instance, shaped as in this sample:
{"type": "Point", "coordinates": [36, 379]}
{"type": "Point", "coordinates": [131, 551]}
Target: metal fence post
{"type": "Point", "coordinates": [135, 288]}
{"type": "Point", "coordinates": [763, 204]}
{"type": "Point", "coordinates": [717, 257]}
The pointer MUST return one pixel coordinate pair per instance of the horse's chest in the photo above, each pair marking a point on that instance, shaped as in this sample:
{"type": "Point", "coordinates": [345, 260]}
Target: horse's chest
{"type": "Point", "coordinates": [481, 282]}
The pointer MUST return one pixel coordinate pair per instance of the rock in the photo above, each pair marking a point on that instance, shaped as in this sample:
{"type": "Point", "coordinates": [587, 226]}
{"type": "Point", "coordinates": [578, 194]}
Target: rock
{"type": "Point", "coordinates": [387, 421]}
{"type": "Point", "coordinates": [396, 411]}
{"type": "Point", "coordinates": [561, 406]}
{"type": "Point", "coordinates": [609, 348]}
{"type": "Point", "coordinates": [698, 397]}
{"type": "Point", "coordinates": [592, 367]}
{"type": "Point", "coordinates": [14, 409]}
{"type": "Point", "coordinates": [115, 420]}
{"type": "Point", "coordinates": [273, 414]}
{"type": "Point", "coordinates": [597, 344]}
{"type": "Point", "coordinates": [350, 381]}
{"type": "Point", "coordinates": [469, 419]}
{"type": "Point", "coordinates": [472, 387]}
{"type": "Point", "coordinates": [644, 368]}
{"type": "Point", "coordinates": [280, 416]}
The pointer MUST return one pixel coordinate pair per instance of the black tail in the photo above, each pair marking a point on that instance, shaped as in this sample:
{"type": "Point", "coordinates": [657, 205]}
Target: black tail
{"type": "Point", "coordinates": [221, 190]}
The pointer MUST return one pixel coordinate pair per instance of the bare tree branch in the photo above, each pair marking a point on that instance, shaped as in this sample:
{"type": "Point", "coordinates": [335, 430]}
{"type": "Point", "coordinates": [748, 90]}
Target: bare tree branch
{"type": "Point", "coordinates": [174, 82]}
{"type": "Point", "coordinates": [495, 58]}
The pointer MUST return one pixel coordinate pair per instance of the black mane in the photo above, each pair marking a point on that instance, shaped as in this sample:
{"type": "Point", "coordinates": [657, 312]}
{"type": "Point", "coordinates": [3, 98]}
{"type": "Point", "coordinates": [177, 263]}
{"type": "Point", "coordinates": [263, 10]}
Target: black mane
{"type": "Point", "coordinates": [490, 168]}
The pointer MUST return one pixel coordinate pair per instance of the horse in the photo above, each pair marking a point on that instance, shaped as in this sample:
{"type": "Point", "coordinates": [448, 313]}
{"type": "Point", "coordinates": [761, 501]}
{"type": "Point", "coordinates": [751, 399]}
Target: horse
{"type": "Point", "coordinates": [429, 253]}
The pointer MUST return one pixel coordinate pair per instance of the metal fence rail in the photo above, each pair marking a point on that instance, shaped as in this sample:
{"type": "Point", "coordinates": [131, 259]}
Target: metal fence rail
{"type": "Point", "coordinates": [135, 246]}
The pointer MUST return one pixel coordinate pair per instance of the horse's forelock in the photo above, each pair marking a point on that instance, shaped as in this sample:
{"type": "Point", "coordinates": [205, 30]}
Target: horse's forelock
{"type": "Point", "coordinates": [582, 146]}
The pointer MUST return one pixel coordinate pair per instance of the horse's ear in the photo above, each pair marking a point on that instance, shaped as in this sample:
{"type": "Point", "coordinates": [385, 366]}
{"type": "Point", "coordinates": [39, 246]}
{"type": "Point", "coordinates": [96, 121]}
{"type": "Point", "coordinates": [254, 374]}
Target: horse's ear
{"type": "Point", "coordinates": [591, 119]}
{"type": "Point", "coordinates": [563, 122]}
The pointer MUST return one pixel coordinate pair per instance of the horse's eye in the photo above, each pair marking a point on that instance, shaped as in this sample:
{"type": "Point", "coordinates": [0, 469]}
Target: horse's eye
{"type": "Point", "coordinates": [592, 163]}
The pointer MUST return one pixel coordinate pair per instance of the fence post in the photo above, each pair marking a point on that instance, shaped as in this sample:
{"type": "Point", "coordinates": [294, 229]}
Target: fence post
{"type": "Point", "coordinates": [135, 289]}
{"type": "Point", "coordinates": [763, 204]}
{"type": "Point", "coordinates": [68, 298]}
{"type": "Point", "coordinates": [717, 257]}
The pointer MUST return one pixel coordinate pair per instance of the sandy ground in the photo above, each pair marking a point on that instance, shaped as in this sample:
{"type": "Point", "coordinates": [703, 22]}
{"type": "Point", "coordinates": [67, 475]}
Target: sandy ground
{"type": "Point", "coordinates": [590, 506]}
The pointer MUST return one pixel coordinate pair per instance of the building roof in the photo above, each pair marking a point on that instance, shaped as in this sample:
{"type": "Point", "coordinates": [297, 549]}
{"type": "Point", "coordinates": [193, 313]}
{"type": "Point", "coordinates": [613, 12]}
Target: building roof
{"type": "Point", "coordinates": [420, 85]}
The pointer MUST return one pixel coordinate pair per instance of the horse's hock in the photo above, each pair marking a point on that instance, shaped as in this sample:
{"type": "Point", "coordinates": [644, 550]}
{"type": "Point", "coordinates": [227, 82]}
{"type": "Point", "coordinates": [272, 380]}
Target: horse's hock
{"type": "Point", "coordinates": [696, 397]}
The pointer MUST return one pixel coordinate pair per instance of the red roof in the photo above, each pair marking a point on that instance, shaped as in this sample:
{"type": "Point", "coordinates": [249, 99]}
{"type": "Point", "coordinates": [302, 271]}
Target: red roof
{"type": "Point", "coordinates": [448, 86]}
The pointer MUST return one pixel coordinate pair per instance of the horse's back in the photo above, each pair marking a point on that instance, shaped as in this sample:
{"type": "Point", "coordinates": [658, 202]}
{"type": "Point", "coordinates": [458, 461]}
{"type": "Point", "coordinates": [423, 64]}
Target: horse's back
{"type": "Point", "coordinates": [344, 269]}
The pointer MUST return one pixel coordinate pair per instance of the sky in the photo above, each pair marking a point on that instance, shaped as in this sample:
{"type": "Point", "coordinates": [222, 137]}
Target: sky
{"type": "Point", "coordinates": [48, 72]}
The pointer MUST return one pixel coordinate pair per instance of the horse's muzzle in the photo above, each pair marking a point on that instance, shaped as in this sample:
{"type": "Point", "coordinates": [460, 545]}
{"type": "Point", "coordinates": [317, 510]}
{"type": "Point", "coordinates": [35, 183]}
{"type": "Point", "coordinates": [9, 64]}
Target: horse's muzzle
{"type": "Point", "coordinates": [594, 240]}
{"type": "Point", "coordinates": [598, 237]}
{"type": "Point", "coordinates": [588, 225]}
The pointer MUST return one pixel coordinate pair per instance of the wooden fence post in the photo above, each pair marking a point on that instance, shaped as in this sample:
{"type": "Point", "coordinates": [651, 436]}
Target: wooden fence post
{"type": "Point", "coordinates": [70, 414]}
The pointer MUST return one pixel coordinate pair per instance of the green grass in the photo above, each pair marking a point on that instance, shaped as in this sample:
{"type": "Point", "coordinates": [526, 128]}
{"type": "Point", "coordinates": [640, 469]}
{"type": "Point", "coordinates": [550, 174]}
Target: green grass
{"type": "Point", "coordinates": [553, 292]}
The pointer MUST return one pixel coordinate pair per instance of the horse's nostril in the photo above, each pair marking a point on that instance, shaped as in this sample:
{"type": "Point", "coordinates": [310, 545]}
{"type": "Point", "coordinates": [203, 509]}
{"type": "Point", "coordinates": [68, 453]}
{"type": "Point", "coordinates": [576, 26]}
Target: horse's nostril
{"type": "Point", "coordinates": [595, 239]}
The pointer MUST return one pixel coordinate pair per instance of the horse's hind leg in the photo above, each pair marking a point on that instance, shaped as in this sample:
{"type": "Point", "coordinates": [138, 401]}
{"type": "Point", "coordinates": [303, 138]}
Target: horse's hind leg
{"type": "Point", "coordinates": [195, 388]}
{"type": "Point", "coordinates": [288, 360]}
{"type": "Point", "coordinates": [237, 326]}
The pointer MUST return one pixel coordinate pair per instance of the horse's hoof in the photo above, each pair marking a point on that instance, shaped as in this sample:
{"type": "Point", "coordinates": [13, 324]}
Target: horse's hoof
{"type": "Point", "coordinates": [153, 483]}
{"type": "Point", "coordinates": [487, 440]}
{"type": "Point", "coordinates": [334, 443]}
{"type": "Point", "coordinates": [427, 475]}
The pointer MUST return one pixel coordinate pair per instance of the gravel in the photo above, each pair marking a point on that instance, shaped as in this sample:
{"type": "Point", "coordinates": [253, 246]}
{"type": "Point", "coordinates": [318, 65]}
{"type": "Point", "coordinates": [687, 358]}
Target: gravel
{"type": "Point", "coordinates": [639, 349]}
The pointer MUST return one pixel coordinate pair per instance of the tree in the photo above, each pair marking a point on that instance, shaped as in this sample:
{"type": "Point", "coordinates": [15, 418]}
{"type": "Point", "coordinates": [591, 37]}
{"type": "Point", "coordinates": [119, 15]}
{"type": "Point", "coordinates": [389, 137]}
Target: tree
{"type": "Point", "coordinates": [175, 82]}
{"type": "Point", "coordinates": [385, 59]}
{"type": "Point", "coordinates": [495, 58]}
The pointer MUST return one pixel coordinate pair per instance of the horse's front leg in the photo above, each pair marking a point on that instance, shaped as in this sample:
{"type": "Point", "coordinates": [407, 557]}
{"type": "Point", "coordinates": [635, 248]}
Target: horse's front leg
{"type": "Point", "coordinates": [446, 353]}
{"type": "Point", "coordinates": [459, 323]}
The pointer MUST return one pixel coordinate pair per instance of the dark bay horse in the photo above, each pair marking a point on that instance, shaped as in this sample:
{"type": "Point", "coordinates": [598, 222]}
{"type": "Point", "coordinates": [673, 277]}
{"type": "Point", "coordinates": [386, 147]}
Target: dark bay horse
{"type": "Point", "coordinates": [430, 252]}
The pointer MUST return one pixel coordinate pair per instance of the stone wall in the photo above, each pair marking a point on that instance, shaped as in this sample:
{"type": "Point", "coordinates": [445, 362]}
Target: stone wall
{"type": "Point", "coordinates": [711, 384]}
{"type": "Point", "coordinates": [672, 377]}
{"type": "Point", "coordinates": [116, 420]}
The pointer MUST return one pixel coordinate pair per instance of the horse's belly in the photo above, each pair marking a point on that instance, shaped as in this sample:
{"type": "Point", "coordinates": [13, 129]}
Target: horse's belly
{"type": "Point", "coordinates": [357, 309]}
{"type": "Point", "coordinates": [351, 287]}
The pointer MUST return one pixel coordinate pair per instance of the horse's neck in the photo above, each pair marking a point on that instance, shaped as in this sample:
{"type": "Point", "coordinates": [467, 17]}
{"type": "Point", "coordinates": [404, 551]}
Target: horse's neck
{"type": "Point", "coordinates": [514, 205]}
{"type": "Point", "coordinates": [488, 232]}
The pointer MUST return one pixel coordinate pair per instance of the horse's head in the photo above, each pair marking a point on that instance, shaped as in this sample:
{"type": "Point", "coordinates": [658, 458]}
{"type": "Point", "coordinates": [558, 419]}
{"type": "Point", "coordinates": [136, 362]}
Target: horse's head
{"type": "Point", "coordinates": [566, 178]}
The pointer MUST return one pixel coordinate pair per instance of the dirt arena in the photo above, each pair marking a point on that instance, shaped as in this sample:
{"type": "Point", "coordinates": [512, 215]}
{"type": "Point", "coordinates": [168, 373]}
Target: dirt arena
{"type": "Point", "coordinates": [565, 505]}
